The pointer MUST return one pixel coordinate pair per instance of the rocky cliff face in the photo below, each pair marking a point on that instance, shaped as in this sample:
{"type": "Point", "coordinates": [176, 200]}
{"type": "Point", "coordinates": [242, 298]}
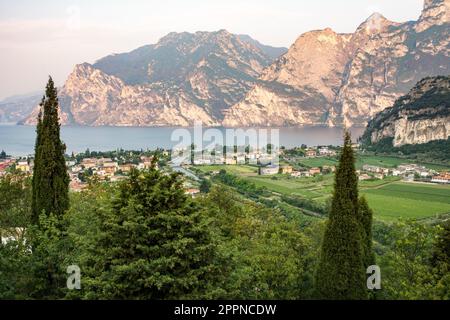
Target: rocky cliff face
{"type": "Point", "coordinates": [183, 78]}
{"type": "Point", "coordinates": [345, 79]}
{"type": "Point", "coordinates": [423, 115]}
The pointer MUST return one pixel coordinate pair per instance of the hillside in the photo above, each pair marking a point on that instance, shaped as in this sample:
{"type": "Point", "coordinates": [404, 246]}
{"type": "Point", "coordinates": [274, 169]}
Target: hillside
{"type": "Point", "coordinates": [417, 121]}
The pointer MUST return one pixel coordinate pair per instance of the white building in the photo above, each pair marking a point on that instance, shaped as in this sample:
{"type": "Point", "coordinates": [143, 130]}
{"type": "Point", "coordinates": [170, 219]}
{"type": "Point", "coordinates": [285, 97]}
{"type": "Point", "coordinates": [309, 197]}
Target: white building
{"type": "Point", "coordinates": [270, 170]}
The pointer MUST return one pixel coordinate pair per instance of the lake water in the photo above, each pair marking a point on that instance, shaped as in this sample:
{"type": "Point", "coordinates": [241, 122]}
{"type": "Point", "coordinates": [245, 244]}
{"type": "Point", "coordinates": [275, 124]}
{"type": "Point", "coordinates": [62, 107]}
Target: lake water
{"type": "Point", "coordinates": [19, 140]}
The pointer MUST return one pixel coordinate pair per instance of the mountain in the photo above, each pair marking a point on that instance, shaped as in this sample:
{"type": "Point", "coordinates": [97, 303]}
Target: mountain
{"type": "Point", "coordinates": [421, 116]}
{"type": "Point", "coordinates": [183, 78]}
{"type": "Point", "coordinates": [273, 52]}
{"type": "Point", "coordinates": [345, 79]}
{"type": "Point", "coordinates": [16, 108]}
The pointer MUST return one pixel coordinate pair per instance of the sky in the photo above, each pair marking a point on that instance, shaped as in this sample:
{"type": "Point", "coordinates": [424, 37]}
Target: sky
{"type": "Point", "coordinates": [41, 38]}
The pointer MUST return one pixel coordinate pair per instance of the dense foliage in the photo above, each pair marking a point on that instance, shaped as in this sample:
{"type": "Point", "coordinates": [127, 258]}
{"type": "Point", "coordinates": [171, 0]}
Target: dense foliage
{"type": "Point", "coordinates": [257, 253]}
{"type": "Point", "coordinates": [433, 151]}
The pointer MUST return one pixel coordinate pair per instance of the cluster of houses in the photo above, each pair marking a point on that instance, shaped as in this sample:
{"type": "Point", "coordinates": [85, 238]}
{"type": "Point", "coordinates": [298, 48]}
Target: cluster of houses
{"type": "Point", "coordinates": [409, 172]}
{"type": "Point", "coordinates": [104, 168]}
{"type": "Point", "coordinates": [289, 170]}
{"type": "Point", "coordinates": [24, 165]}
{"type": "Point", "coordinates": [239, 158]}
{"type": "Point", "coordinates": [319, 152]}
{"type": "Point", "coordinates": [442, 178]}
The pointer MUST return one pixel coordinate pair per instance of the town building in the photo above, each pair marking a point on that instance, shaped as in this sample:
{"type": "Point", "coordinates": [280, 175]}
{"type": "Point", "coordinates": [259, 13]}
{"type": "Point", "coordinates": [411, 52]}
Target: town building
{"type": "Point", "coordinates": [270, 170]}
{"type": "Point", "coordinates": [287, 169]}
{"type": "Point", "coordinates": [443, 178]}
{"type": "Point", "coordinates": [311, 153]}
{"type": "Point", "coordinates": [325, 151]}
{"type": "Point", "coordinates": [89, 163]}
{"type": "Point", "coordinates": [23, 166]}
{"type": "Point", "coordinates": [314, 171]}
{"type": "Point", "coordinates": [127, 167]}
{"type": "Point", "coordinates": [372, 169]}
{"type": "Point", "coordinates": [230, 161]}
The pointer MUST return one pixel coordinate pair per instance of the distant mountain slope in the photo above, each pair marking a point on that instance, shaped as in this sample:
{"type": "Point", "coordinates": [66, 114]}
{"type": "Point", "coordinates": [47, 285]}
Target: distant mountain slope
{"type": "Point", "coordinates": [182, 78]}
{"type": "Point", "coordinates": [421, 116]}
{"type": "Point", "coordinates": [334, 79]}
{"type": "Point", "coordinates": [14, 109]}
{"type": "Point", "coordinates": [273, 52]}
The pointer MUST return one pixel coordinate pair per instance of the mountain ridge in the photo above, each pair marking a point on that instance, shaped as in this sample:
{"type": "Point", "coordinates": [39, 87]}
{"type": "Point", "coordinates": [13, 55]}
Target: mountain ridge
{"type": "Point", "coordinates": [338, 79]}
{"type": "Point", "coordinates": [325, 77]}
{"type": "Point", "coordinates": [182, 78]}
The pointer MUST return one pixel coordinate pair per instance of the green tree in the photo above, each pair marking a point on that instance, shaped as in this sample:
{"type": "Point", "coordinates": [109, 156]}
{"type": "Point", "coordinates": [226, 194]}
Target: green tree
{"type": "Point", "coordinates": [406, 270]}
{"type": "Point", "coordinates": [205, 186]}
{"type": "Point", "coordinates": [15, 200]}
{"type": "Point", "coordinates": [50, 179]}
{"type": "Point", "coordinates": [264, 255]}
{"type": "Point", "coordinates": [366, 219]}
{"type": "Point", "coordinates": [153, 243]}
{"type": "Point", "coordinates": [340, 273]}
{"type": "Point", "coordinates": [441, 254]}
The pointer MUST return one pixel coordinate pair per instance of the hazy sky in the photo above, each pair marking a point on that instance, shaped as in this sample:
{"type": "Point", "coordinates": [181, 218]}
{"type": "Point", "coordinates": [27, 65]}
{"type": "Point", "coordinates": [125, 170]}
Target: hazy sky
{"type": "Point", "coordinates": [44, 37]}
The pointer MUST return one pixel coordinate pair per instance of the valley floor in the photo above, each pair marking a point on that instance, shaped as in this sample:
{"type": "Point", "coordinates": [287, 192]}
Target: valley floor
{"type": "Point", "coordinates": [390, 198]}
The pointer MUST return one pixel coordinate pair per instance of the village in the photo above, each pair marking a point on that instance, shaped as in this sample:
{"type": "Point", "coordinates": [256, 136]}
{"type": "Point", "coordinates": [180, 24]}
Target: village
{"type": "Point", "coordinates": [283, 162]}
{"type": "Point", "coordinates": [267, 162]}
{"type": "Point", "coordinates": [103, 169]}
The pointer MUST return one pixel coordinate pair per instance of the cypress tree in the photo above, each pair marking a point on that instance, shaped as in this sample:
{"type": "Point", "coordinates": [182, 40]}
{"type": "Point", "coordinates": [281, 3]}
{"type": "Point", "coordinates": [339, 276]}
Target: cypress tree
{"type": "Point", "coordinates": [366, 218]}
{"type": "Point", "coordinates": [50, 179]}
{"type": "Point", "coordinates": [340, 274]}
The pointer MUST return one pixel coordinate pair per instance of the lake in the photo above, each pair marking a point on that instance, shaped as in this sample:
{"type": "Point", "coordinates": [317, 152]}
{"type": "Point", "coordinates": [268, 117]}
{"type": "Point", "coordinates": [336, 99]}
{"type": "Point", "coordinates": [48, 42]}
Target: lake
{"type": "Point", "coordinates": [19, 140]}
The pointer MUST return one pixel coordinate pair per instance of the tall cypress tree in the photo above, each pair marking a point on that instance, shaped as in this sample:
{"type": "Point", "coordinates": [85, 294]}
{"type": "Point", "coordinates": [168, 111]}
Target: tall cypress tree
{"type": "Point", "coordinates": [341, 274]}
{"type": "Point", "coordinates": [50, 178]}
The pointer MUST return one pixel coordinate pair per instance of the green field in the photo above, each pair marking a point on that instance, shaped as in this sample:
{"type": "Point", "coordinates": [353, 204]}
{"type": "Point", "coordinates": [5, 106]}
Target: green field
{"type": "Point", "coordinates": [318, 162]}
{"type": "Point", "coordinates": [408, 200]}
{"type": "Point", "coordinates": [389, 198]}
{"type": "Point", "coordinates": [238, 170]}
{"type": "Point", "coordinates": [301, 187]}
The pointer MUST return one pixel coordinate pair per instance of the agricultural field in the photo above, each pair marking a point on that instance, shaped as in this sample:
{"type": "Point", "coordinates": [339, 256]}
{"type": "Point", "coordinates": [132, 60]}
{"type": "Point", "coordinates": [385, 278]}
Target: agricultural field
{"type": "Point", "coordinates": [408, 200]}
{"type": "Point", "coordinates": [238, 170]}
{"type": "Point", "coordinates": [311, 188]}
{"type": "Point", "coordinates": [390, 198]}
{"type": "Point", "coordinates": [318, 162]}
